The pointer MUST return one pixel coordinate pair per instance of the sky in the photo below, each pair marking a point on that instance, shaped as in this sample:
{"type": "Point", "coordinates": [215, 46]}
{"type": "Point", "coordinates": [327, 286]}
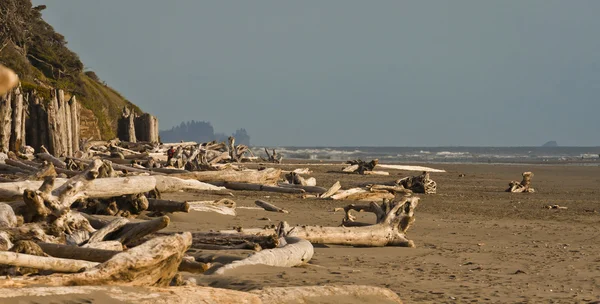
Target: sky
{"type": "Point", "coordinates": [351, 73]}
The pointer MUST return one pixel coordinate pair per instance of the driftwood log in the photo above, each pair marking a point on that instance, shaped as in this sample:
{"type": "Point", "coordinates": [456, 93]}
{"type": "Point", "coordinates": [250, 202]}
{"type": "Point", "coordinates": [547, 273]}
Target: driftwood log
{"type": "Point", "coordinates": [419, 184]}
{"type": "Point", "coordinates": [153, 263]}
{"type": "Point", "coordinates": [521, 187]}
{"type": "Point", "coordinates": [270, 207]}
{"type": "Point", "coordinates": [222, 206]}
{"type": "Point", "coordinates": [391, 231]}
{"type": "Point", "coordinates": [268, 176]}
{"type": "Point", "coordinates": [205, 295]}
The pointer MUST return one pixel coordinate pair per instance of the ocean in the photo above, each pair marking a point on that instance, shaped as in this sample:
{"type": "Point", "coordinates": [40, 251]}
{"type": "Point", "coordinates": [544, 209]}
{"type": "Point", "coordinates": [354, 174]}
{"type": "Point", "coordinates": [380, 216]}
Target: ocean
{"type": "Point", "coordinates": [505, 155]}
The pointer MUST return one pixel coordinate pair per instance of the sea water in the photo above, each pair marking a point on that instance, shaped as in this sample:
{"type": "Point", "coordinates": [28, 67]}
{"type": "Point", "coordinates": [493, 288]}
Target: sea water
{"type": "Point", "coordinates": [554, 155]}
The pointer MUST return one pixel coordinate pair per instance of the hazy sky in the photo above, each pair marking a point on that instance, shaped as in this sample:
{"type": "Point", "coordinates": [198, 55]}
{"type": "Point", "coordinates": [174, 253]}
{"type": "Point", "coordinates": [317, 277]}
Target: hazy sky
{"type": "Point", "coordinates": [349, 73]}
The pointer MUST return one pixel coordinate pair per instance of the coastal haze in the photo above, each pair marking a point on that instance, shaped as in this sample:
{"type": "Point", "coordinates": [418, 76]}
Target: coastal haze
{"type": "Point", "coordinates": [351, 73]}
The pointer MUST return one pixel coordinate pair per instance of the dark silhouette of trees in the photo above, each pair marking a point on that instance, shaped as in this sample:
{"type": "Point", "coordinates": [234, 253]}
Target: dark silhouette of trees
{"type": "Point", "coordinates": [201, 131]}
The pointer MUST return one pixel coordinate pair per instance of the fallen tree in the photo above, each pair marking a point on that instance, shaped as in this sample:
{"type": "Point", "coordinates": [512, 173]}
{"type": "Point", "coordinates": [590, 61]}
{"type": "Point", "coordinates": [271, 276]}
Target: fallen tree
{"type": "Point", "coordinates": [391, 231]}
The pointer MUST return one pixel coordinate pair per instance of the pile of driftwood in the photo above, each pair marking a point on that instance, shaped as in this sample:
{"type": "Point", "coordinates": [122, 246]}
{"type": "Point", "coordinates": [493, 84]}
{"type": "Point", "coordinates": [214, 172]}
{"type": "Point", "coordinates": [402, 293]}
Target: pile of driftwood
{"type": "Point", "coordinates": [523, 186]}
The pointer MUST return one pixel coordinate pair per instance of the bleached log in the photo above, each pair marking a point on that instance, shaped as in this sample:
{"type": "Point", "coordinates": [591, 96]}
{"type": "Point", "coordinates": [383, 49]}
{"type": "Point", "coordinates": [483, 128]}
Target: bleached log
{"type": "Point", "coordinates": [334, 188]}
{"type": "Point", "coordinates": [153, 263]}
{"type": "Point", "coordinates": [105, 245]}
{"type": "Point", "coordinates": [296, 252]}
{"type": "Point", "coordinates": [388, 232]}
{"type": "Point", "coordinates": [359, 194]}
{"type": "Point", "coordinates": [123, 294]}
{"type": "Point", "coordinates": [167, 206]}
{"type": "Point", "coordinates": [102, 255]}
{"type": "Point", "coordinates": [337, 294]}
{"type": "Point", "coordinates": [223, 206]}
{"type": "Point", "coordinates": [376, 173]}
{"type": "Point", "coordinates": [270, 207]}
{"type": "Point", "coordinates": [44, 263]}
{"type": "Point", "coordinates": [97, 188]}
{"type": "Point", "coordinates": [166, 184]}
{"type": "Point", "coordinates": [307, 189]}
{"type": "Point", "coordinates": [258, 187]}
{"type": "Point", "coordinates": [268, 176]}
{"type": "Point", "coordinates": [350, 168]}
{"type": "Point", "coordinates": [8, 219]}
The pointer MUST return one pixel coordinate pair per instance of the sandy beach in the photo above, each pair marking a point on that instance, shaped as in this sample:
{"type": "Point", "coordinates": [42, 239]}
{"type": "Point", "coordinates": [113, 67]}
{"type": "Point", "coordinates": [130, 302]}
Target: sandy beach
{"type": "Point", "coordinates": [475, 243]}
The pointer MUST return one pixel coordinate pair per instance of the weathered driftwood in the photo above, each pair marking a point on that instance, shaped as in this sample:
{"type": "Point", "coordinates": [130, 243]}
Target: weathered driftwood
{"type": "Point", "coordinates": [360, 166]}
{"type": "Point", "coordinates": [294, 252]}
{"type": "Point", "coordinates": [8, 219]}
{"type": "Point", "coordinates": [205, 295]}
{"type": "Point", "coordinates": [96, 188]}
{"type": "Point", "coordinates": [523, 186]}
{"type": "Point", "coordinates": [223, 206]}
{"type": "Point", "coordinates": [295, 179]}
{"type": "Point", "coordinates": [389, 232]}
{"type": "Point", "coordinates": [270, 207]}
{"type": "Point", "coordinates": [44, 263]}
{"type": "Point", "coordinates": [123, 294]}
{"type": "Point", "coordinates": [259, 187]}
{"type": "Point", "coordinates": [360, 194]}
{"type": "Point", "coordinates": [337, 294]}
{"type": "Point", "coordinates": [307, 189]}
{"type": "Point", "coordinates": [332, 190]}
{"type": "Point", "coordinates": [167, 206]}
{"type": "Point", "coordinates": [103, 255]}
{"type": "Point", "coordinates": [153, 263]}
{"type": "Point", "coordinates": [105, 245]}
{"type": "Point", "coordinates": [419, 184]}
{"type": "Point", "coordinates": [273, 157]}
{"type": "Point", "coordinates": [165, 184]}
{"type": "Point", "coordinates": [268, 176]}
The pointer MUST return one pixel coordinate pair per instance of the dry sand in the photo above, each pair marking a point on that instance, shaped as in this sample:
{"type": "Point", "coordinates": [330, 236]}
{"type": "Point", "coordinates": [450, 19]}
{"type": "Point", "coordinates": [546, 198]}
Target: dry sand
{"type": "Point", "coordinates": [475, 242]}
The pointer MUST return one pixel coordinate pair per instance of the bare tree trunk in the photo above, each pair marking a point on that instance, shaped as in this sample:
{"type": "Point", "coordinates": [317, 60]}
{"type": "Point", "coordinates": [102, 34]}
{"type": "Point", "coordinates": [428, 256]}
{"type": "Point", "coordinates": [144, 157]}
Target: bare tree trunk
{"type": "Point", "coordinates": [75, 114]}
{"type": "Point", "coordinates": [5, 121]}
{"type": "Point", "coordinates": [17, 137]}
